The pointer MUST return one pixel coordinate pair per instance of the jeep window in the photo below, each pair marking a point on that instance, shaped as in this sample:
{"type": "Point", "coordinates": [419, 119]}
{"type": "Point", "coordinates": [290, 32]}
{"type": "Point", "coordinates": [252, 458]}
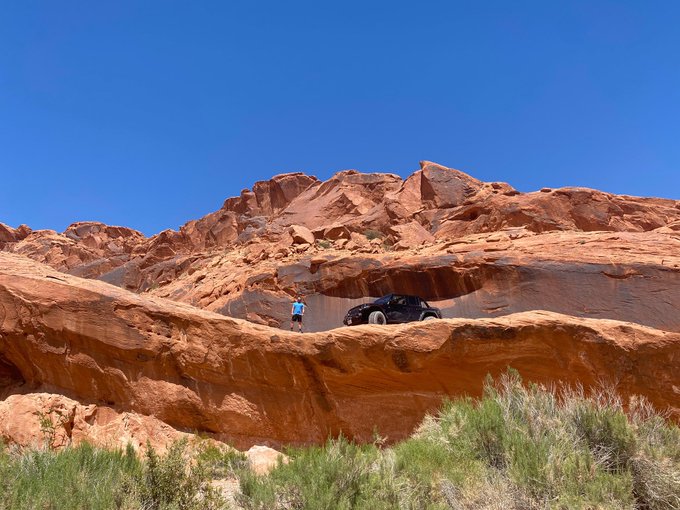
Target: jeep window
{"type": "Point", "coordinates": [413, 301]}
{"type": "Point", "coordinates": [383, 300]}
{"type": "Point", "coordinates": [399, 300]}
{"type": "Point", "coordinates": [423, 304]}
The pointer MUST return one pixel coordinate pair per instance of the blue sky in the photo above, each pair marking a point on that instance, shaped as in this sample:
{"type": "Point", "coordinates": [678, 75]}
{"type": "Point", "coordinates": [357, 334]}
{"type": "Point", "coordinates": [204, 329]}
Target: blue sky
{"type": "Point", "coordinates": [149, 114]}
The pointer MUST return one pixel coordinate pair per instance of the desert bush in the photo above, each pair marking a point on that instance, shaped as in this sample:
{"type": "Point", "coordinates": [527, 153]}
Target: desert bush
{"type": "Point", "coordinates": [51, 421]}
{"type": "Point", "coordinates": [340, 475]}
{"type": "Point", "coordinates": [373, 234]}
{"type": "Point", "coordinates": [174, 481]}
{"type": "Point", "coordinates": [519, 446]}
{"type": "Point", "coordinates": [220, 461]}
{"type": "Point", "coordinates": [73, 478]}
{"type": "Point", "coordinates": [85, 477]}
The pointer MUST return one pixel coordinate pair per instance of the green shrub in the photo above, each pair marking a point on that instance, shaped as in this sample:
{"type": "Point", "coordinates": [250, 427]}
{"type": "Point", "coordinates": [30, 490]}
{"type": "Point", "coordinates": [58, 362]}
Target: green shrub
{"type": "Point", "coordinates": [340, 475]}
{"type": "Point", "coordinates": [221, 461]}
{"type": "Point", "coordinates": [85, 477]}
{"type": "Point", "coordinates": [373, 234]}
{"type": "Point", "coordinates": [520, 446]}
{"type": "Point", "coordinates": [73, 478]}
{"type": "Point", "coordinates": [171, 481]}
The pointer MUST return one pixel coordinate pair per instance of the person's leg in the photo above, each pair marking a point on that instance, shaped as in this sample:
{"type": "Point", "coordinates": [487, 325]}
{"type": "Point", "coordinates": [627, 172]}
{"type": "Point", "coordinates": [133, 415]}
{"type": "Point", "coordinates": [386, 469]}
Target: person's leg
{"type": "Point", "coordinates": [291, 323]}
{"type": "Point", "coordinates": [300, 325]}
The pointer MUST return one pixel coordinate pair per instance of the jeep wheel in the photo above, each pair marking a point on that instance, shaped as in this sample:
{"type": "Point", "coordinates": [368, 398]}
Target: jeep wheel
{"type": "Point", "coordinates": [377, 318]}
{"type": "Point", "coordinates": [429, 318]}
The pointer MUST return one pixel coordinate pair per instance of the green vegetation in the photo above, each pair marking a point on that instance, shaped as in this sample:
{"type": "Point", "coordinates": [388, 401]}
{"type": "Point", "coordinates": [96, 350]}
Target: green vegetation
{"type": "Point", "coordinates": [373, 234]}
{"type": "Point", "coordinates": [80, 477]}
{"type": "Point", "coordinates": [84, 477]}
{"type": "Point", "coordinates": [518, 447]}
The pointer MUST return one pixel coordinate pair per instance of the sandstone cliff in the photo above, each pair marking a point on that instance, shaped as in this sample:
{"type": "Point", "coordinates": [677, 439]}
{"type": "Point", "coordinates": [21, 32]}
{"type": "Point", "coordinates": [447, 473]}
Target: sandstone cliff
{"type": "Point", "coordinates": [199, 371]}
{"type": "Point", "coordinates": [475, 249]}
{"type": "Point", "coordinates": [124, 337]}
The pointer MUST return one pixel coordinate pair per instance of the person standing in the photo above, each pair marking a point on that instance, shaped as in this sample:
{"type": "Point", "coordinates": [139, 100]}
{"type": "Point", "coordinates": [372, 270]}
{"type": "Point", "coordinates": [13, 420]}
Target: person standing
{"type": "Point", "coordinates": [296, 312]}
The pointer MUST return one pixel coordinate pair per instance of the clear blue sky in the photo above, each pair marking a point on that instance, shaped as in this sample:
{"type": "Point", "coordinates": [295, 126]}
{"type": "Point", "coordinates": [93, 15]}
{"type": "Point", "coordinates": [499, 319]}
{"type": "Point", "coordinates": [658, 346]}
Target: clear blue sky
{"type": "Point", "coordinates": [149, 114]}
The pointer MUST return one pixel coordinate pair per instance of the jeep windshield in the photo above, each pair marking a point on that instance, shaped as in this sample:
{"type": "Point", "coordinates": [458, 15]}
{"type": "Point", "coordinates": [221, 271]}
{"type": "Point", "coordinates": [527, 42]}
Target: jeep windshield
{"type": "Point", "coordinates": [383, 300]}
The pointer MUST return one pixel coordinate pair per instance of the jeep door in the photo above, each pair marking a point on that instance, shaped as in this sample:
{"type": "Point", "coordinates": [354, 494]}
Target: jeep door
{"type": "Point", "coordinates": [397, 309]}
{"type": "Point", "coordinates": [414, 308]}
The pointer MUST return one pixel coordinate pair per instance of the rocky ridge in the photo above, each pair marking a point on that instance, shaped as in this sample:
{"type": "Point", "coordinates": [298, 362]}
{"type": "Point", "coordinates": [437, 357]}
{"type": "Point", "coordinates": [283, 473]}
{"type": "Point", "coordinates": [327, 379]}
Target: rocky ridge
{"type": "Point", "coordinates": [120, 356]}
{"type": "Point", "coordinates": [572, 284]}
{"type": "Point", "coordinates": [293, 233]}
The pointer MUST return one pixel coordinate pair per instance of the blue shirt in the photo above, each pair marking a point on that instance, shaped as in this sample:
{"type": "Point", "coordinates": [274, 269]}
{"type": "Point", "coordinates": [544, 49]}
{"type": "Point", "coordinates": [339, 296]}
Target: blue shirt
{"type": "Point", "coordinates": [298, 308]}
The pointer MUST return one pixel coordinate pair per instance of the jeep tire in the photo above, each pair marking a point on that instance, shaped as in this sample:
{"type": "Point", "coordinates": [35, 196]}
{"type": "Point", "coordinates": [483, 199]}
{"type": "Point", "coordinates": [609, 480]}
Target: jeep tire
{"type": "Point", "coordinates": [377, 317]}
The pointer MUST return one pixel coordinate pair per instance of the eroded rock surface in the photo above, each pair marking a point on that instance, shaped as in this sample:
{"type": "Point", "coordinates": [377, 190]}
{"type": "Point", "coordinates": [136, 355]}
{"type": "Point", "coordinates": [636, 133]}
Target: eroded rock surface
{"type": "Point", "coordinates": [435, 203]}
{"type": "Point", "coordinates": [250, 384]}
{"type": "Point", "coordinates": [630, 276]}
{"type": "Point", "coordinates": [47, 420]}
{"type": "Point", "coordinates": [161, 350]}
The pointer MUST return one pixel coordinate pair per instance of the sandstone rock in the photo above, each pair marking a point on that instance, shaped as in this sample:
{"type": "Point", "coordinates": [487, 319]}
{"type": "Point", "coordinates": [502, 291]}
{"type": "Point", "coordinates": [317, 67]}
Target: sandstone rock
{"type": "Point", "coordinates": [448, 204]}
{"type": "Point", "coordinates": [410, 235]}
{"type": "Point", "coordinates": [478, 278]}
{"type": "Point", "coordinates": [349, 198]}
{"type": "Point", "coordinates": [216, 229]}
{"type": "Point", "coordinates": [436, 187]}
{"type": "Point", "coordinates": [74, 423]}
{"type": "Point", "coordinates": [269, 197]}
{"type": "Point", "coordinates": [318, 260]}
{"type": "Point", "coordinates": [256, 252]}
{"type": "Point", "coordinates": [336, 232]}
{"type": "Point", "coordinates": [7, 234]}
{"type": "Point", "coordinates": [211, 262]}
{"type": "Point", "coordinates": [12, 235]}
{"type": "Point", "coordinates": [360, 240]}
{"type": "Point", "coordinates": [263, 459]}
{"type": "Point", "coordinates": [664, 230]}
{"type": "Point", "coordinates": [476, 250]}
{"type": "Point", "coordinates": [250, 384]}
{"type": "Point", "coordinates": [301, 235]}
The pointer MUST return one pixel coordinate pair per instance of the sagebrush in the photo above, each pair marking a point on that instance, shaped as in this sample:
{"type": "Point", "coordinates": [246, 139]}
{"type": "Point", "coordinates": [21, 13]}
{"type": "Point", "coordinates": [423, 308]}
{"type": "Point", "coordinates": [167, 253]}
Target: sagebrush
{"type": "Point", "coordinates": [518, 447]}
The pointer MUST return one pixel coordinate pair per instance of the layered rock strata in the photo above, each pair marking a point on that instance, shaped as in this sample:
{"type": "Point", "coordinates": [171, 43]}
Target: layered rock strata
{"type": "Point", "coordinates": [196, 370]}
{"type": "Point", "coordinates": [475, 249]}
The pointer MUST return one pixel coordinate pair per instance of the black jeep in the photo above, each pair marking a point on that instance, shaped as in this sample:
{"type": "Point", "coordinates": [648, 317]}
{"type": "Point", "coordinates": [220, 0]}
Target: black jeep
{"type": "Point", "coordinates": [392, 309]}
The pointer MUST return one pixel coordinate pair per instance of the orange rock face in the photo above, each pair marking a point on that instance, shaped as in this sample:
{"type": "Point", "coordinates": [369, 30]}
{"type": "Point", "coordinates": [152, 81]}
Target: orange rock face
{"type": "Point", "coordinates": [251, 384]}
{"type": "Point", "coordinates": [71, 422]}
{"type": "Point", "coordinates": [164, 343]}
{"type": "Point", "coordinates": [475, 249]}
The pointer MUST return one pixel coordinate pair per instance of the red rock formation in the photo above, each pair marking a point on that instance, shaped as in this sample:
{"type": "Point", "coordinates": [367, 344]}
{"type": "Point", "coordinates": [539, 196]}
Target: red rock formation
{"type": "Point", "coordinates": [625, 276]}
{"type": "Point", "coordinates": [250, 384]}
{"type": "Point", "coordinates": [270, 197]}
{"type": "Point", "coordinates": [125, 366]}
{"type": "Point", "coordinates": [446, 203]}
{"type": "Point", "coordinates": [477, 249]}
{"type": "Point", "coordinates": [74, 422]}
